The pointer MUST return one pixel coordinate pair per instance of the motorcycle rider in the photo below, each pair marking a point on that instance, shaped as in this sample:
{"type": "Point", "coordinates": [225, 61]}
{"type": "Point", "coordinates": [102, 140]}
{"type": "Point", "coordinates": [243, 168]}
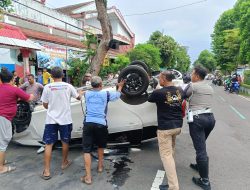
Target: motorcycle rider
{"type": "Point", "coordinates": [234, 80]}
{"type": "Point", "coordinates": [227, 83]}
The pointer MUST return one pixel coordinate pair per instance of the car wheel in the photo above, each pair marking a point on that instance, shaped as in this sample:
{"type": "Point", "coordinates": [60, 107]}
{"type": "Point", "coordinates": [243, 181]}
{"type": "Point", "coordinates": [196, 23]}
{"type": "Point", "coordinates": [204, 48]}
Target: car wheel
{"type": "Point", "coordinates": [137, 80]}
{"type": "Point", "coordinates": [141, 64]}
{"type": "Point", "coordinates": [23, 117]}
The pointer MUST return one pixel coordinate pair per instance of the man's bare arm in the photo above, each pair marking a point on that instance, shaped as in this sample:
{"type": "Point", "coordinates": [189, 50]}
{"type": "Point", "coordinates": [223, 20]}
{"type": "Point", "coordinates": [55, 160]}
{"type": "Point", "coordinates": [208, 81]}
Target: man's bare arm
{"type": "Point", "coordinates": [81, 93]}
{"type": "Point", "coordinates": [120, 85]}
{"type": "Point", "coordinates": [31, 98]}
{"type": "Point", "coordinates": [45, 105]}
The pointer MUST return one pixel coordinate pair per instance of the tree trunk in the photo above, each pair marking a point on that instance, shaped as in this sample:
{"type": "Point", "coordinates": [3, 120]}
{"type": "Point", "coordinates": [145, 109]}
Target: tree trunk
{"type": "Point", "coordinates": [107, 35]}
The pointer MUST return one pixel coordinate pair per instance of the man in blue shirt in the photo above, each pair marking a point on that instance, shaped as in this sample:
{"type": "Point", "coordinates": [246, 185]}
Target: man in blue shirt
{"type": "Point", "coordinates": [40, 77]}
{"type": "Point", "coordinates": [95, 128]}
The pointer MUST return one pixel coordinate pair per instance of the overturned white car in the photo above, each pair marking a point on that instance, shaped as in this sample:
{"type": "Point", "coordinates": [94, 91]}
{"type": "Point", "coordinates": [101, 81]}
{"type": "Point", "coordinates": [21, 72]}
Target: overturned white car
{"type": "Point", "coordinates": [131, 119]}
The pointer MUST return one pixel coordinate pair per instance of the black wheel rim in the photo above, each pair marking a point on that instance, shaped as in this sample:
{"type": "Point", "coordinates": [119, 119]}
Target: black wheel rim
{"type": "Point", "coordinates": [23, 112]}
{"type": "Point", "coordinates": [133, 83]}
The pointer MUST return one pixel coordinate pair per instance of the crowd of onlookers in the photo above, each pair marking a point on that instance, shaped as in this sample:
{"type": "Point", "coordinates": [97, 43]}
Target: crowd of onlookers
{"type": "Point", "coordinates": [43, 77]}
{"type": "Point", "coordinates": [56, 96]}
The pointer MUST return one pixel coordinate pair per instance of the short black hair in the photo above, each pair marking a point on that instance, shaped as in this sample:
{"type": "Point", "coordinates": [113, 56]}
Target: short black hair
{"type": "Point", "coordinates": [6, 76]}
{"type": "Point", "coordinates": [31, 75]}
{"type": "Point", "coordinates": [169, 76]}
{"type": "Point", "coordinates": [200, 71]}
{"type": "Point", "coordinates": [3, 69]}
{"type": "Point", "coordinates": [57, 72]}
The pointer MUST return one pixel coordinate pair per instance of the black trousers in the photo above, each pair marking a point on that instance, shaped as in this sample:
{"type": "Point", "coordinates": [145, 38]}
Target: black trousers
{"type": "Point", "coordinates": [199, 131]}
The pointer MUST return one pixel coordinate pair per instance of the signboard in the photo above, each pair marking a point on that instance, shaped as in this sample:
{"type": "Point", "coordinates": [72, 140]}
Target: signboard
{"type": "Point", "coordinates": [51, 56]}
{"type": "Point", "coordinates": [55, 55]}
{"type": "Point", "coordinates": [74, 54]}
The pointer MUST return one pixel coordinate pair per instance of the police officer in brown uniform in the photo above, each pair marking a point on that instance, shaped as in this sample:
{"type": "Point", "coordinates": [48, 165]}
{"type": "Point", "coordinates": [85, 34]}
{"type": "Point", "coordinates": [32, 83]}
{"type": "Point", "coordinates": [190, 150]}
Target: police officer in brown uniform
{"type": "Point", "coordinates": [201, 124]}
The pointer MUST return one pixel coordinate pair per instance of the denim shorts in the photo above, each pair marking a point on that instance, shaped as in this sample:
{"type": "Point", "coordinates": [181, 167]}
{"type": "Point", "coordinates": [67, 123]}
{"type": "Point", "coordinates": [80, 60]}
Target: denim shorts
{"type": "Point", "coordinates": [50, 135]}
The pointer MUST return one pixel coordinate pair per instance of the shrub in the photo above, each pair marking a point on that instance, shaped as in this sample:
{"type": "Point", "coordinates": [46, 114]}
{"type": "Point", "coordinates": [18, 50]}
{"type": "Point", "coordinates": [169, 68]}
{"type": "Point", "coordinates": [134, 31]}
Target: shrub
{"type": "Point", "coordinates": [246, 86]}
{"type": "Point", "coordinates": [77, 69]}
{"type": "Point", "coordinates": [247, 77]}
{"type": "Point", "coordinates": [120, 62]}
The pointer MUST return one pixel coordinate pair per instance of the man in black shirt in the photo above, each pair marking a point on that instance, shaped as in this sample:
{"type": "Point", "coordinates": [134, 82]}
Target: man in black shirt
{"type": "Point", "coordinates": [169, 113]}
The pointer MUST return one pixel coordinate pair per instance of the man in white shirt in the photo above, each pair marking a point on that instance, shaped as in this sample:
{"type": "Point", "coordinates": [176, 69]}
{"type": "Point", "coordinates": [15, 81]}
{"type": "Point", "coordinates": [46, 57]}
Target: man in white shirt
{"type": "Point", "coordinates": [56, 98]}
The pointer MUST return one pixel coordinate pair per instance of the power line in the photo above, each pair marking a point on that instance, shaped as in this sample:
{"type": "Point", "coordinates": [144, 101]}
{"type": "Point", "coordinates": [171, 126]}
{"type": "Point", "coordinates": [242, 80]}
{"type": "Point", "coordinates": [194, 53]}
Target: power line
{"type": "Point", "coordinates": [165, 10]}
{"type": "Point", "coordinates": [128, 15]}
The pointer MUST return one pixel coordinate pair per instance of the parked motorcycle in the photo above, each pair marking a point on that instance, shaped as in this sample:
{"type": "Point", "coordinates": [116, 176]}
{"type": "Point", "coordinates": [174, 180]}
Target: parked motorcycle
{"type": "Point", "coordinates": [217, 81]}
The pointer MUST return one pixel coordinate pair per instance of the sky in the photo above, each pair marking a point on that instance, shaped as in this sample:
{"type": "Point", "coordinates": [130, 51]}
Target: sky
{"type": "Point", "coordinates": [190, 26]}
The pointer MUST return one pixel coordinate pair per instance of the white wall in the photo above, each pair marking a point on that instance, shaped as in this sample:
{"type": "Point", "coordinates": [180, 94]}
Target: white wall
{"type": "Point", "coordinates": [90, 7]}
{"type": "Point", "coordinates": [8, 56]}
{"type": "Point", "coordinates": [25, 12]}
{"type": "Point", "coordinates": [117, 27]}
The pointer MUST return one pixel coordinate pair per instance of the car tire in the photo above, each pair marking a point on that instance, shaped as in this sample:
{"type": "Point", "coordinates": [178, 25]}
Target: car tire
{"type": "Point", "coordinates": [135, 100]}
{"type": "Point", "coordinates": [23, 117]}
{"type": "Point", "coordinates": [137, 80]}
{"type": "Point", "coordinates": [140, 64]}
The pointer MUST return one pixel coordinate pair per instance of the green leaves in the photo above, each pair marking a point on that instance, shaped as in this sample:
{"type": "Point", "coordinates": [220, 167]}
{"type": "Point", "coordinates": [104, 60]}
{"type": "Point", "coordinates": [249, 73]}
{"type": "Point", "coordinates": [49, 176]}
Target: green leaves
{"type": "Point", "coordinates": [231, 37]}
{"type": "Point", "coordinates": [77, 70]}
{"type": "Point", "coordinates": [5, 5]}
{"type": "Point", "coordinates": [172, 54]}
{"type": "Point", "coordinates": [147, 53]}
{"type": "Point", "coordinates": [247, 77]}
{"type": "Point", "coordinates": [206, 59]}
{"type": "Point", "coordinates": [121, 61]}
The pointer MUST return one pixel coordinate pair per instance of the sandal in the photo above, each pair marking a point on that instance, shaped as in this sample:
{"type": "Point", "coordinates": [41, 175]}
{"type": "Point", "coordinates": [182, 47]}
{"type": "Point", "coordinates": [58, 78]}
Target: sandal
{"type": "Point", "coordinates": [6, 162]}
{"type": "Point", "coordinates": [9, 169]}
{"type": "Point", "coordinates": [83, 179]}
{"type": "Point", "coordinates": [99, 170]}
{"type": "Point", "coordinates": [67, 165]}
{"type": "Point", "coordinates": [45, 177]}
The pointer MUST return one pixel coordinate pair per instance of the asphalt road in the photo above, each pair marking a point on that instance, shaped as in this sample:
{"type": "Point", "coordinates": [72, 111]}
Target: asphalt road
{"type": "Point", "coordinates": [228, 149]}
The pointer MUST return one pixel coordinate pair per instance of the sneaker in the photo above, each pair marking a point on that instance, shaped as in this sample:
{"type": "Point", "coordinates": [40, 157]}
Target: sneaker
{"type": "Point", "coordinates": [203, 183]}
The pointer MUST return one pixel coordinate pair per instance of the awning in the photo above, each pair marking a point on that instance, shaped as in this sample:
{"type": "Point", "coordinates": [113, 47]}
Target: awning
{"type": "Point", "coordinates": [15, 43]}
{"type": "Point", "coordinates": [13, 37]}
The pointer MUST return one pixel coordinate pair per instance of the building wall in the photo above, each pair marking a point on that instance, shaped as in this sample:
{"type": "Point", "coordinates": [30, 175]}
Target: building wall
{"type": "Point", "coordinates": [117, 28]}
{"type": "Point", "coordinates": [27, 24]}
{"type": "Point", "coordinates": [90, 7]}
{"type": "Point", "coordinates": [120, 30]}
{"type": "Point", "coordinates": [8, 56]}
{"type": "Point", "coordinates": [9, 60]}
{"type": "Point", "coordinates": [27, 13]}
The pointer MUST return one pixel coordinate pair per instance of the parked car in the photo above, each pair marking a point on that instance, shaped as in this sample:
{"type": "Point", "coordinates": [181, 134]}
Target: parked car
{"type": "Point", "coordinates": [131, 119]}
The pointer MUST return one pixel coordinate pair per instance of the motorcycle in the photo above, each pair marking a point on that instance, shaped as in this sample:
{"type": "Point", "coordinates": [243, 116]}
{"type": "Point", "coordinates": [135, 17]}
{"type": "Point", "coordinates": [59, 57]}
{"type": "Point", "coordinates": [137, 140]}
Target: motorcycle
{"type": "Point", "coordinates": [235, 87]}
{"type": "Point", "coordinates": [227, 84]}
{"type": "Point", "coordinates": [217, 81]}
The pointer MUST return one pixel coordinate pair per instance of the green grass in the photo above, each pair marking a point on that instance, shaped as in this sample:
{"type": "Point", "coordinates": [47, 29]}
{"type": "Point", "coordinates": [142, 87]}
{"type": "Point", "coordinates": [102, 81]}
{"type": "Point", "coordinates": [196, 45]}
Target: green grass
{"type": "Point", "coordinates": [246, 86]}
